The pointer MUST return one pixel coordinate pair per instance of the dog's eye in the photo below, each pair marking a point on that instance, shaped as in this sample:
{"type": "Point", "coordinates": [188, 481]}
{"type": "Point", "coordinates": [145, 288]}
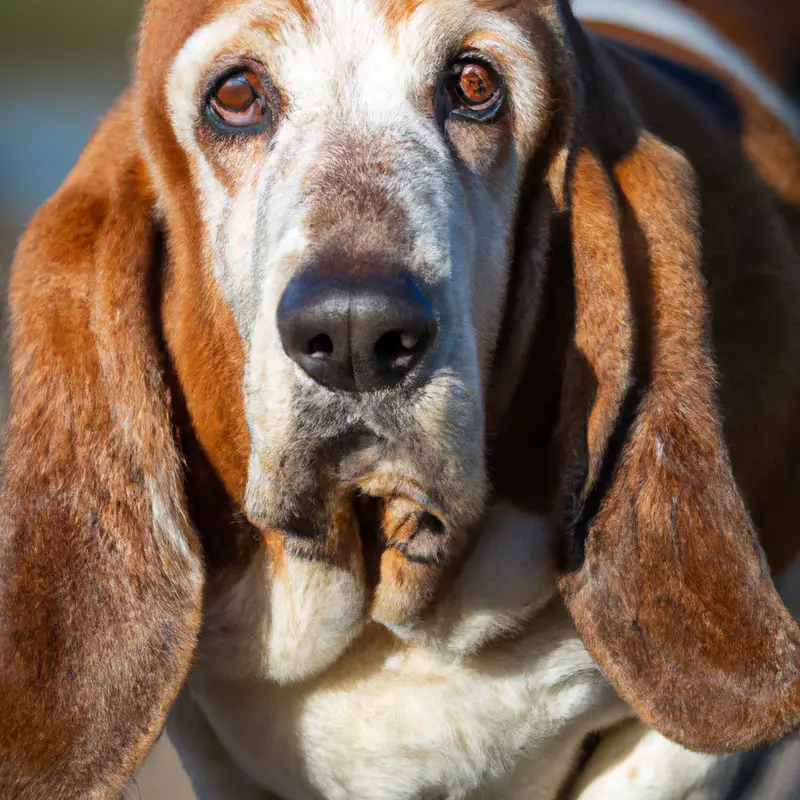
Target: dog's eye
{"type": "Point", "coordinates": [476, 86]}
{"type": "Point", "coordinates": [476, 90]}
{"type": "Point", "coordinates": [238, 102]}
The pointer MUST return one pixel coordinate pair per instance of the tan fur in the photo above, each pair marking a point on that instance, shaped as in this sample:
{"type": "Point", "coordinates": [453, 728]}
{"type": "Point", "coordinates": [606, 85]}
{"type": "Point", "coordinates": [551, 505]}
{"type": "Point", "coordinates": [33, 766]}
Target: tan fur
{"type": "Point", "coordinates": [767, 31]}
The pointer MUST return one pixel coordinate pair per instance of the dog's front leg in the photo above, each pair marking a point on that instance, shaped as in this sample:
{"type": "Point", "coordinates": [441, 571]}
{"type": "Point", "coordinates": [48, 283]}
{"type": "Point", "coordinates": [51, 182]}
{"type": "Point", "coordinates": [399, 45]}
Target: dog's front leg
{"type": "Point", "coordinates": [633, 762]}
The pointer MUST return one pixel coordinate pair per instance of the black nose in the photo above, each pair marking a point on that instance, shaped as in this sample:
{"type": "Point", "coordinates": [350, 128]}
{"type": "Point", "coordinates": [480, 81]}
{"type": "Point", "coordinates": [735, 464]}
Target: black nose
{"type": "Point", "coordinates": [356, 334]}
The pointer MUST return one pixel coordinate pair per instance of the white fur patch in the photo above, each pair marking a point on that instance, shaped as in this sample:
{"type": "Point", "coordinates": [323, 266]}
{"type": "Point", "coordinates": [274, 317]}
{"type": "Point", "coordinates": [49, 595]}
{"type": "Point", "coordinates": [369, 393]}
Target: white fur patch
{"type": "Point", "coordinates": [635, 763]}
{"type": "Point", "coordinates": [494, 699]}
{"type": "Point", "coordinates": [507, 580]}
{"type": "Point", "coordinates": [394, 721]}
{"type": "Point", "coordinates": [284, 622]}
{"type": "Point", "coordinates": [675, 22]}
{"type": "Point", "coordinates": [316, 611]}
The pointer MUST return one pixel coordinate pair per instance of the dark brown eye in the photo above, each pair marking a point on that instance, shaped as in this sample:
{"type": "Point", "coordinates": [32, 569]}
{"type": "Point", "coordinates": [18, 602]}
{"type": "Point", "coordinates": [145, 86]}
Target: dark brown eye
{"type": "Point", "coordinates": [239, 102]}
{"type": "Point", "coordinates": [476, 90]}
{"type": "Point", "coordinates": [476, 86]}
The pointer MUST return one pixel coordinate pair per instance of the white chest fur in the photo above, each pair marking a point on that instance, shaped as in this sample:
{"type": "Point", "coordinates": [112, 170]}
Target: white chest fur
{"type": "Point", "coordinates": [492, 700]}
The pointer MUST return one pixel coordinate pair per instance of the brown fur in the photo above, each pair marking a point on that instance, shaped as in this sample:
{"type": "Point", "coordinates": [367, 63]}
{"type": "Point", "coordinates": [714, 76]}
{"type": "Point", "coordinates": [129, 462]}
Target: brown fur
{"type": "Point", "coordinates": [644, 393]}
{"type": "Point", "coordinates": [397, 11]}
{"type": "Point", "coordinates": [662, 521]}
{"type": "Point", "coordinates": [93, 597]}
{"type": "Point", "coordinates": [769, 146]}
{"type": "Point", "coordinates": [412, 563]}
{"type": "Point", "coordinates": [767, 30]}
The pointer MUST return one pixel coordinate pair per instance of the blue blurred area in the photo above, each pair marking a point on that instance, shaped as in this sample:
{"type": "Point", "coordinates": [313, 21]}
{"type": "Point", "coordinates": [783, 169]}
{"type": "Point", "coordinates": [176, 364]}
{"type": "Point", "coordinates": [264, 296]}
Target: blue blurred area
{"type": "Point", "coordinates": [40, 142]}
{"type": "Point", "coordinates": [61, 66]}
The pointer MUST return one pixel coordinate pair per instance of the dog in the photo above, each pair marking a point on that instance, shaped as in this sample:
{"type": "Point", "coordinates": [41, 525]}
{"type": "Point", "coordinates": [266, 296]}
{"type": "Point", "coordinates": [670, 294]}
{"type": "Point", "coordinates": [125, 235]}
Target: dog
{"type": "Point", "coordinates": [403, 392]}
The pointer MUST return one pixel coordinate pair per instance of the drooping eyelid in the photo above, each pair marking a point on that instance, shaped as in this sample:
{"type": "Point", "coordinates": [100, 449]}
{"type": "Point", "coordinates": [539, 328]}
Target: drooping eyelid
{"type": "Point", "coordinates": [489, 114]}
{"type": "Point", "coordinates": [479, 57]}
{"type": "Point", "coordinates": [474, 56]}
{"type": "Point", "coordinates": [459, 57]}
{"type": "Point", "coordinates": [220, 127]}
{"type": "Point", "coordinates": [225, 68]}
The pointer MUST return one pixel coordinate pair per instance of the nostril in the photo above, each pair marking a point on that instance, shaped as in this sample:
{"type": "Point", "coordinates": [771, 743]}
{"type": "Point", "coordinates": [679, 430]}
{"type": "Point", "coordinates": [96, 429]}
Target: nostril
{"type": "Point", "coordinates": [320, 346]}
{"type": "Point", "coordinates": [400, 349]}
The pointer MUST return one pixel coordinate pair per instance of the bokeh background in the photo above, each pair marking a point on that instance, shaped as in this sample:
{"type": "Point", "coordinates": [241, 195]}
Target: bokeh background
{"type": "Point", "coordinates": [62, 63]}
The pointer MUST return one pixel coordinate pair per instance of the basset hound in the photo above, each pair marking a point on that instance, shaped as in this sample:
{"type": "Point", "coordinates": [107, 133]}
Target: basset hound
{"type": "Point", "coordinates": [405, 391]}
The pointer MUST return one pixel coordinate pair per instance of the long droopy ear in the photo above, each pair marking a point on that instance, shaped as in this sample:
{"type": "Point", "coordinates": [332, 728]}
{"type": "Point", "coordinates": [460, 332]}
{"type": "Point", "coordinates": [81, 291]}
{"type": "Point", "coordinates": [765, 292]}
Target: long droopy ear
{"type": "Point", "coordinates": [668, 587]}
{"type": "Point", "coordinates": [100, 573]}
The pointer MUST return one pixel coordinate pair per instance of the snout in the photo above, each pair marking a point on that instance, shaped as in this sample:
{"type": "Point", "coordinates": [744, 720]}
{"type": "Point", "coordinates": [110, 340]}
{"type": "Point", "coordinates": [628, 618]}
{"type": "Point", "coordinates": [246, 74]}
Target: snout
{"type": "Point", "coordinates": [357, 334]}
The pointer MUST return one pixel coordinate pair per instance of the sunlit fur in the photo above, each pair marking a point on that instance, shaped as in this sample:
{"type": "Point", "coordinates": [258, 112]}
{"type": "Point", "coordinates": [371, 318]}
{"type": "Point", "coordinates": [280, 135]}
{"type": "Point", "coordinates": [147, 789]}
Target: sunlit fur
{"type": "Point", "coordinates": [369, 93]}
{"type": "Point", "coordinates": [352, 106]}
{"type": "Point", "coordinates": [179, 526]}
{"type": "Point", "coordinates": [494, 701]}
{"type": "Point", "coordinates": [290, 678]}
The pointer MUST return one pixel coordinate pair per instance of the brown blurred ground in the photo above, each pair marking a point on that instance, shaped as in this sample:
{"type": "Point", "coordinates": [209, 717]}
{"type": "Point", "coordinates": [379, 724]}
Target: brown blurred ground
{"type": "Point", "coordinates": [62, 62]}
{"type": "Point", "coordinates": [160, 777]}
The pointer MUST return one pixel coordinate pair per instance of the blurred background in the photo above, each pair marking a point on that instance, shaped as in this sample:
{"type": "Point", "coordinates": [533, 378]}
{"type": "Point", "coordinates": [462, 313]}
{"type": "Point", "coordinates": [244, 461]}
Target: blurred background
{"type": "Point", "coordinates": [61, 66]}
{"type": "Point", "coordinates": [62, 63]}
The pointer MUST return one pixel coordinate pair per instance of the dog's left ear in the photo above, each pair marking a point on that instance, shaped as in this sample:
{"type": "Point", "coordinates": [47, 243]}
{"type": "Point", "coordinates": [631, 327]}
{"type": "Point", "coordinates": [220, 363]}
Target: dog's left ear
{"type": "Point", "coordinates": [670, 590]}
{"type": "Point", "coordinates": [100, 570]}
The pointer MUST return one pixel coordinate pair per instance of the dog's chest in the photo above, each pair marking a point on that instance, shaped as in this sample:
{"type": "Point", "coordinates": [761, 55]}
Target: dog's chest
{"type": "Point", "coordinates": [390, 721]}
{"type": "Point", "coordinates": [490, 697]}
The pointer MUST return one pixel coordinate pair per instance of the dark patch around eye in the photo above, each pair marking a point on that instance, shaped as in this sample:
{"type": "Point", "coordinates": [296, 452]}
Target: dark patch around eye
{"type": "Point", "coordinates": [473, 89]}
{"type": "Point", "coordinates": [237, 103]}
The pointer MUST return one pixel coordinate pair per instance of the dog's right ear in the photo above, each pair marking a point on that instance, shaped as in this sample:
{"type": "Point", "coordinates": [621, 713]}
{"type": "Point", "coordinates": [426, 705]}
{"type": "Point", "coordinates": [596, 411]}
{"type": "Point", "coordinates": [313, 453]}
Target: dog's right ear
{"type": "Point", "coordinates": [665, 579]}
{"type": "Point", "coordinates": [100, 571]}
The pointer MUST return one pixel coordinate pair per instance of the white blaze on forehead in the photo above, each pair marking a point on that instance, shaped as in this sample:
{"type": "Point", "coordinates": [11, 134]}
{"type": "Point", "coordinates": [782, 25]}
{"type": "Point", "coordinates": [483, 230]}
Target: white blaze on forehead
{"type": "Point", "coordinates": [376, 68]}
{"type": "Point", "coordinates": [349, 60]}
{"type": "Point", "coordinates": [350, 69]}
{"type": "Point", "coordinates": [350, 72]}
{"type": "Point", "coordinates": [349, 54]}
{"type": "Point", "coordinates": [344, 68]}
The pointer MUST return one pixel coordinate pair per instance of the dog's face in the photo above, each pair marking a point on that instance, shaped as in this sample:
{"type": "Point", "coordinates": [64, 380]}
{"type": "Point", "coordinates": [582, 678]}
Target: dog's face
{"type": "Point", "coordinates": [354, 168]}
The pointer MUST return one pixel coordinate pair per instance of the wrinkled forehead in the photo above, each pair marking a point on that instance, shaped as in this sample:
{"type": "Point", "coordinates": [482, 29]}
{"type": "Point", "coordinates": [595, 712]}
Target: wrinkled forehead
{"type": "Point", "coordinates": [385, 45]}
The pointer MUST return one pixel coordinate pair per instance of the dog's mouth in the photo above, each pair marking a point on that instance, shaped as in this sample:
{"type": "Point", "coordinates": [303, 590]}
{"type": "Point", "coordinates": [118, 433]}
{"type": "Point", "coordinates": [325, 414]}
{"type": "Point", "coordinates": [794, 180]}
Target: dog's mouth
{"type": "Point", "coordinates": [417, 534]}
{"type": "Point", "coordinates": [368, 503]}
{"type": "Point", "coordinates": [406, 548]}
{"type": "Point", "coordinates": [368, 513]}
{"type": "Point", "coordinates": [394, 508]}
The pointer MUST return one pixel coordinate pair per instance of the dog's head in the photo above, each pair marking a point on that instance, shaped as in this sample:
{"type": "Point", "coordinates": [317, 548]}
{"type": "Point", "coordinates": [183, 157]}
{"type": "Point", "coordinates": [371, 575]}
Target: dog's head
{"type": "Point", "coordinates": [345, 178]}
{"type": "Point", "coordinates": [337, 222]}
